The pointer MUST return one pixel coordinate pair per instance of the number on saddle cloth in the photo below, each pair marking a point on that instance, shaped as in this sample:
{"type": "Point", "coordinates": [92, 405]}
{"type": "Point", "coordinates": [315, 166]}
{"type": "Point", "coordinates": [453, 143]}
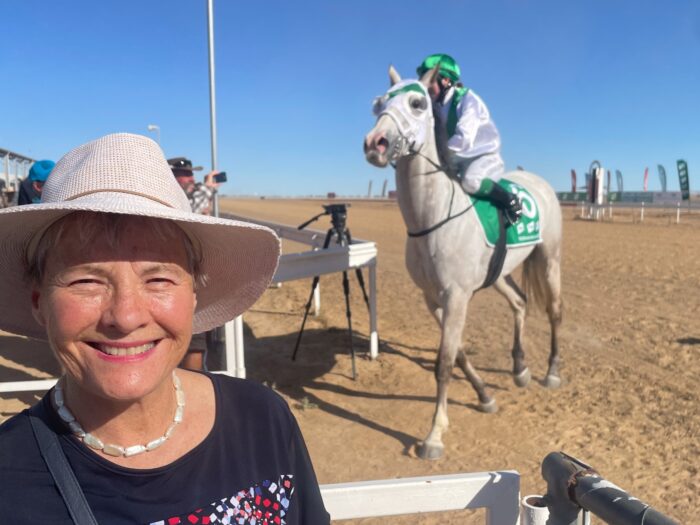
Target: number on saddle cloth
{"type": "Point", "coordinates": [525, 231]}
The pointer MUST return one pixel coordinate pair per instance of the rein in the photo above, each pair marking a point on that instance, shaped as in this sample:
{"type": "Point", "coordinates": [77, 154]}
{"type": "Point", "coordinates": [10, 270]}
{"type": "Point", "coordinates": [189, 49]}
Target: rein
{"type": "Point", "coordinates": [445, 220]}
{"type": "Point", "coordinates": [439, 168]}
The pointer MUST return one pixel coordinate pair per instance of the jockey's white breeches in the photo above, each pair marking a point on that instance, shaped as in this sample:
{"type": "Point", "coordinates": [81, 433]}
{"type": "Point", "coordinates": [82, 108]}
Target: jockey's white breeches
{"type": "Point", "coordinates": [474, 170]}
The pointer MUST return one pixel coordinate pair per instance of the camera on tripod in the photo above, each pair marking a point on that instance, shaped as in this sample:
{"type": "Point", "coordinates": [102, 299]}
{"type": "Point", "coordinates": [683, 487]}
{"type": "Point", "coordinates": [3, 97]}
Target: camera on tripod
{"type": "Point", "coordinates": [339, 230]}
{"type": "Point", "coordinates": [336, 209]}
{"type": "Point", "coordinates": [339, 215]}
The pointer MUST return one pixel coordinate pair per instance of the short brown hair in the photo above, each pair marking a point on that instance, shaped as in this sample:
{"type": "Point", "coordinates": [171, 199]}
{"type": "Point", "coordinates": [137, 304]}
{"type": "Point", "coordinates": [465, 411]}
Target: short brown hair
{"type": "Point", "coordinates": [91, 224]}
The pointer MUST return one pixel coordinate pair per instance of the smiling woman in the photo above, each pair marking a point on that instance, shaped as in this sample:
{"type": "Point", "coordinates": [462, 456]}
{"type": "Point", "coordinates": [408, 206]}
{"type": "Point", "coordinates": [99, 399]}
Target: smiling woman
{"type": "Point", "coordinates": [116, 296]}
{"type": "Point", "coordinates": [118, 275]}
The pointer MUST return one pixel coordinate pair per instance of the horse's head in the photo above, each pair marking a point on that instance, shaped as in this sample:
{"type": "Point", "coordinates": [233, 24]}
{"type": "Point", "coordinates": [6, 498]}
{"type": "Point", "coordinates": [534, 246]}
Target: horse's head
{"type": "Point", "coordinates": [404, 119]}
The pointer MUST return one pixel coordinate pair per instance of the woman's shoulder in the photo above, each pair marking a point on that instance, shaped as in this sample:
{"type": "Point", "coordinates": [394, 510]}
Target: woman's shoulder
{"type": "Point", "coordinates": [15, 428]}
{"type": "Point", "coordinates": [250, 410]}
{"type": "Point", "coordinates": [18, 427]}
{"type": "Point", "coordinates": [248, 393]}
{"type": "Point", "coordinates": [16, 435]}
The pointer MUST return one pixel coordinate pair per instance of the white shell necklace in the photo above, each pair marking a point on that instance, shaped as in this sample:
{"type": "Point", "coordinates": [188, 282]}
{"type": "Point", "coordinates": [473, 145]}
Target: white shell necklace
{"type": "Point", "coordinates": [116, 450]}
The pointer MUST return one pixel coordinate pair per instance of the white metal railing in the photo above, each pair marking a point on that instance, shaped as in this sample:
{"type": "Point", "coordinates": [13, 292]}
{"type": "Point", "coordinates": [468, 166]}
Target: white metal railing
{"type": "Point", "coordinates": [13, 168]}
{"type": "Point", "coordinates": [307, 264]}
{"type": "Point", "coordinates": [498, 492]}
{"type": "Point", "coordinates": [27, 386]}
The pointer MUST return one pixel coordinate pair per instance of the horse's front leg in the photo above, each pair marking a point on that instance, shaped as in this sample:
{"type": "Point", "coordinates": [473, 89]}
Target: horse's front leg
{"type": "Point", "coordinates": [434, 309]}
{"type": "Point", "coordinates": [454, 314]}
{"type": "Point", "coordinates": [486, 402]}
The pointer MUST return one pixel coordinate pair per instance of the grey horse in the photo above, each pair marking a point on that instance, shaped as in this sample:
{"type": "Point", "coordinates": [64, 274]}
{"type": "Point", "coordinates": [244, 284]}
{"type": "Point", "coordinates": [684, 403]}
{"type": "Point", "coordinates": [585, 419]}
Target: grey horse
{"type": "Point", "coordinates": [446, 254]}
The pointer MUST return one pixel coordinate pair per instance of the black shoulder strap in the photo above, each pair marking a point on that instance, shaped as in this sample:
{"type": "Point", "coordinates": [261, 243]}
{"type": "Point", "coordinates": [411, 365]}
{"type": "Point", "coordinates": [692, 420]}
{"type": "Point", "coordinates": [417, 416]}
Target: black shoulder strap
{"type": "Point", "coordinates": [62, 474]}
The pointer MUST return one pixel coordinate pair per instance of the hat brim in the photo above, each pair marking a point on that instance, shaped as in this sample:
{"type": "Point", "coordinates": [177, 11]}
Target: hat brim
{"type": "Point", "coordinates": [180, 168]}
{"type": "Point", "coordinates": [239, 258]}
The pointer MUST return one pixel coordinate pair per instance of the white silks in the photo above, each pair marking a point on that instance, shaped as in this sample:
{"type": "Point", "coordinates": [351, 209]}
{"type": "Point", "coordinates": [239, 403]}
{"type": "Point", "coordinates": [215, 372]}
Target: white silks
{"type": "Point", "coordinates": [475, 134]}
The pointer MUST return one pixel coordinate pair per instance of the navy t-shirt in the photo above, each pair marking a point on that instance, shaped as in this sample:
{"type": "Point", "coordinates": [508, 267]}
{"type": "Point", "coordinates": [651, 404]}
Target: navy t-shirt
{"type": "Point", "coordinates": [253, 467]}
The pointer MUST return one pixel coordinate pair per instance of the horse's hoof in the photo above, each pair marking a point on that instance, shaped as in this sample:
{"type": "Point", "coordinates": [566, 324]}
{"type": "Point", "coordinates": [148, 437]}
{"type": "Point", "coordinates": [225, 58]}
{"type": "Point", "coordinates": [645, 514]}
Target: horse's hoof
{"type": "Point", "coordinates": [552, 381]}
{"type": "Point", "coordinates": [489, 407]}
{"type": "Point", "coordinates": [426, 451]}
{"type": "Point", "coordinates": [523, 378]}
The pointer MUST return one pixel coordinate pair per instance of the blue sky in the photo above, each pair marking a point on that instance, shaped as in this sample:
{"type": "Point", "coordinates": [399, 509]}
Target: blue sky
{"type": "Point", "coordinates": [567, 82]}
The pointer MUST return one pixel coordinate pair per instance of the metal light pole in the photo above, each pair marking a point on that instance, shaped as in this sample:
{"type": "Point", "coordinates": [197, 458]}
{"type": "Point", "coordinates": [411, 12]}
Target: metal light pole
{"type": "Point", "coordinates": [233, 330]}
{"type": "Point", "coordinates": [212, 94]}
{"type": "Point", "coordinates": [153, 127]}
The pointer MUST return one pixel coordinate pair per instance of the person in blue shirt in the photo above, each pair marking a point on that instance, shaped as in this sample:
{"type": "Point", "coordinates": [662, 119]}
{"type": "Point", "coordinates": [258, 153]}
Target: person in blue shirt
{"type": "Point", "coordinates": [30, 188]}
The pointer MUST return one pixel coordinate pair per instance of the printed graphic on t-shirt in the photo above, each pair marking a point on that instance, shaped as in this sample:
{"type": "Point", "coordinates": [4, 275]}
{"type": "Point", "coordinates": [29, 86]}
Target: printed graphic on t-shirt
{"type": "Point", "coordinates": [264, 504]}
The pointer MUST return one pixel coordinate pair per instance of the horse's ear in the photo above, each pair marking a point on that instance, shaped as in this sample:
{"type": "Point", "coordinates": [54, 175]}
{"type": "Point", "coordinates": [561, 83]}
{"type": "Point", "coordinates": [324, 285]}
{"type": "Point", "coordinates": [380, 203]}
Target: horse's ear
{"type": "Point", "coordinates": [394, 76]}
{"type": "Point", "coordinates": [430, 76]}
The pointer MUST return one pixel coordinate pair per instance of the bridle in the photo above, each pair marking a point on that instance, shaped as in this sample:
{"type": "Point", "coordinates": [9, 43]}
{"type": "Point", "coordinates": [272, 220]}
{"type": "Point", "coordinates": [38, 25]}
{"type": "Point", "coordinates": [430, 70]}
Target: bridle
{"type": "Point", "coordinates": [404, 146]}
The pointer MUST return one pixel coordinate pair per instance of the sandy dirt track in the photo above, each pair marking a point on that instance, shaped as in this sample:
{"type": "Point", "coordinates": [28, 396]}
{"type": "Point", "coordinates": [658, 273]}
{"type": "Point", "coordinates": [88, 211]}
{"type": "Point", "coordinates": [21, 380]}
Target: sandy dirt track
{"type": "Point", "coordinates": [630, 340]}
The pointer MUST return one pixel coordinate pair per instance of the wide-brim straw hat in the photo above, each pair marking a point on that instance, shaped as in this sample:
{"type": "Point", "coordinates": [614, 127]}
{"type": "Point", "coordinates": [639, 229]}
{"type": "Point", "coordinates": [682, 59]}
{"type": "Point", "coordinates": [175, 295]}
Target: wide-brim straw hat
{"type": "Point", "coordinates": [128, 174]}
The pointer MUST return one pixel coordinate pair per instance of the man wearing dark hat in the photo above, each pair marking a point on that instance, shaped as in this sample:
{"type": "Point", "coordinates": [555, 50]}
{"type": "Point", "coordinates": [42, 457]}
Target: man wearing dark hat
{"type": "Point", "coordinates": [30, 188]}
{"type": "Point", "coordinates": [201, 196]}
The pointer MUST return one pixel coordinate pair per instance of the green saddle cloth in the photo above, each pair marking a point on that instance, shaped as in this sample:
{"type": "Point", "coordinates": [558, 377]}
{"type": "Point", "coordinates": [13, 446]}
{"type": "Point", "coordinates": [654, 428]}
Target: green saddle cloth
{"type": "Point", "coordinates": [525, 231]}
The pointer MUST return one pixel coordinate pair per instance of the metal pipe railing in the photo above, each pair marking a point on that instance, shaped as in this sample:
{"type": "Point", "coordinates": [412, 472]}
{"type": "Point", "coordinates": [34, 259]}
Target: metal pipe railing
{"type": "Point", "coordinates": [15, 167]}
{"type": "Point", "coordinates": [572, 486]}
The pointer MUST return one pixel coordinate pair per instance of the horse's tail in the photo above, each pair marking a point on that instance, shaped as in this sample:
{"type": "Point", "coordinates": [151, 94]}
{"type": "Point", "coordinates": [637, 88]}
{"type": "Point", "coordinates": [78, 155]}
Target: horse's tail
{"type": "Point", "coordinates": [535, 285]}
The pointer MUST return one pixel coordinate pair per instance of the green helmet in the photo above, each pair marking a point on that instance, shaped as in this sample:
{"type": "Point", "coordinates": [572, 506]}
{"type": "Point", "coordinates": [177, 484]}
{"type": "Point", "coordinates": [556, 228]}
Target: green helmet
{"type": "Point", "coordinates": [448, 66]}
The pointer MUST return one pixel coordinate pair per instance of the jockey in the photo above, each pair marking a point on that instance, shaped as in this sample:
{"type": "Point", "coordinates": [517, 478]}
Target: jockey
{"type": "Point", "coordinates": [473, 142]}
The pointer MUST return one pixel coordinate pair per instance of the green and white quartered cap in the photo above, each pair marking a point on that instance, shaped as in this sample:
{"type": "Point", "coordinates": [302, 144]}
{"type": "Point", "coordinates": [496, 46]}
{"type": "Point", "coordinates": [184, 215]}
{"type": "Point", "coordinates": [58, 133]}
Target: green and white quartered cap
{"type": "Point", "coordinates": [448, 66]}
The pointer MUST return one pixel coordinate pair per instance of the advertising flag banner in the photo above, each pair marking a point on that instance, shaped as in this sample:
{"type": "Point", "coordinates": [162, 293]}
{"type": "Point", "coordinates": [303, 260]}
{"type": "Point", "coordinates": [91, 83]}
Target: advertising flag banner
{"type": "Point", "coordinates": [646, 178]}
{"type": "Point", "coordinates": [662, 178]}
{"type": "Point", "coordinates": [618, 175]}
{"type": "Point", "coordinates": [607, 186]}
{"type": "Point", "coordinates": [683, 179]}
{"type": "Point", "coordinates": [573, 181]}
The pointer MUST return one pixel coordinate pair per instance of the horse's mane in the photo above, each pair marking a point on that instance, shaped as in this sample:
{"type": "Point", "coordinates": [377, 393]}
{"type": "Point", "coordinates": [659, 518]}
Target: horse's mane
{"type": "Point", "coordinates": [440, 134]}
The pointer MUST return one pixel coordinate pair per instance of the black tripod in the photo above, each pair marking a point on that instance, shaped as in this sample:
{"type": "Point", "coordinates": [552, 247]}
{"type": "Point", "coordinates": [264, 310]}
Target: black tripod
{"type": "Point", "coordinates": [340, 232]}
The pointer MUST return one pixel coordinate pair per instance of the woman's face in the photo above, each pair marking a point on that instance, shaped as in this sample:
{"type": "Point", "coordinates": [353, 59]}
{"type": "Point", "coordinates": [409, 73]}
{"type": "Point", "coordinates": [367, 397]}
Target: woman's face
{"type": "Point", "coordinates": [119, 318]}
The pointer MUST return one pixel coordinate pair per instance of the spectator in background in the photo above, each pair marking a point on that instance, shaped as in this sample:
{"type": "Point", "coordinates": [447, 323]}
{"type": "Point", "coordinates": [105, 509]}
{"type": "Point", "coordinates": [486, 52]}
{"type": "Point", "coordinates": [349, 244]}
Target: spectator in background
{"type": "Point", "coordinates": [201, 197]}
{"type": "Point", "coordinates": [200, 194]}
{"type": "Point", "coordinates": [30, 188]}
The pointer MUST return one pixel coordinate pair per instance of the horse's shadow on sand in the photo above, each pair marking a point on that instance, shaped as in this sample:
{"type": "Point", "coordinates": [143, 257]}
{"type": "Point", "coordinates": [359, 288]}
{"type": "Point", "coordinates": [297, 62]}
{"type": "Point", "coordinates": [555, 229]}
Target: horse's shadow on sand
{"type": "Point", "coordinates": [428, 363]}
{"type": "Point", "coordinates": [268, 360]}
